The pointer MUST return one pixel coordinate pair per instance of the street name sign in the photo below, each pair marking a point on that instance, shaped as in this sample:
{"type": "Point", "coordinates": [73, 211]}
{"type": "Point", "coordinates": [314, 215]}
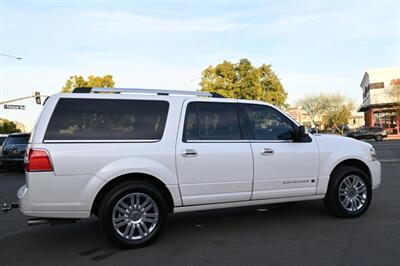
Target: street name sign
{"type": "Point", "coordinates": [14, 107]}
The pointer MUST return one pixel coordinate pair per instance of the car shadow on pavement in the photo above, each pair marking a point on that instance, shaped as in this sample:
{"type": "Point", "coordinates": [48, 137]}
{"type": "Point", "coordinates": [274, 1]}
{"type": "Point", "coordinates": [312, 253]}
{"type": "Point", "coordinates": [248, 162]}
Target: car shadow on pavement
{"type": "Point", "coordinates": [213, 227]}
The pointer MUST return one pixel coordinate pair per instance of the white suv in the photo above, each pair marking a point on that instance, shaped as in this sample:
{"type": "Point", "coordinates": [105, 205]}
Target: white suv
{"type": "Point", "coordinates": [131, 156]}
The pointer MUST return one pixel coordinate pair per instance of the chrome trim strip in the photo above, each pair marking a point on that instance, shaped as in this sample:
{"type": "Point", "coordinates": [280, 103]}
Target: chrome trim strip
{"type": "Point", "coordinates": [239, 141]}
{"type": "Point", "coordinates": [271, 141]}
{"type": "Point", "coordinates": [217, 141]}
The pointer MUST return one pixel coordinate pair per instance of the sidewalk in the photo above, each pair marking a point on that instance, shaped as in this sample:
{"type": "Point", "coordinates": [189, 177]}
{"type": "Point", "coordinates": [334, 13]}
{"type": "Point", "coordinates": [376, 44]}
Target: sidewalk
{"type": "Point", "coordinates": [393, 137]}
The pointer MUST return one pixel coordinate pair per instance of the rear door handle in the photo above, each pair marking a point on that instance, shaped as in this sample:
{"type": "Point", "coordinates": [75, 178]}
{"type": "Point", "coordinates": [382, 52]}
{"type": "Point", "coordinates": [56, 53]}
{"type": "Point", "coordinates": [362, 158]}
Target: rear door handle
{"type": "Point", "coordinates": [189, 153]}
{"type": "Point", "coordinates": [267, 152]}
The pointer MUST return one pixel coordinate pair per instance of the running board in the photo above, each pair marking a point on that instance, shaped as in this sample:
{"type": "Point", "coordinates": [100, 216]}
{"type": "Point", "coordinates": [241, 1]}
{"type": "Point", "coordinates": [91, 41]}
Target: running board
{"type": "Point", "coordinates": [243, 203]}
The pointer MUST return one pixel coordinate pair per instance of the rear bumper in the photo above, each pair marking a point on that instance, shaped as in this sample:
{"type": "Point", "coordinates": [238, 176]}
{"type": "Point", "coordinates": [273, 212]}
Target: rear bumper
{"type": "Point", "coordinates": [30, 209]}
{"type": "Point", "coordinates": [375, 169]}
{"type": "Point", "coordinates": [51, 196]}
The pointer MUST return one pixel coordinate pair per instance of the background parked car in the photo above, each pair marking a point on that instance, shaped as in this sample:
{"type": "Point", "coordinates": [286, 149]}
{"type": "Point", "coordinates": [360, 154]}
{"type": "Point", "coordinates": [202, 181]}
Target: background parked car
{"type": "Point", "coordinates": [2, 140]}
{"type": "Point", "coordinates": [13, 151]}
{"type": "Point", "coordinates": [313, 130]}
{"type": "Point", "coordinates": [376, 133]}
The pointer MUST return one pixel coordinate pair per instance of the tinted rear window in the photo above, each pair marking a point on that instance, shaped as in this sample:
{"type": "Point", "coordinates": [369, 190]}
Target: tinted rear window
{"type": "Point", "coordinates": [211, 121]}
{"type": "Point", "coordinates": [17, 140]}
{"type": "Point", "coordinates": [100, 119]}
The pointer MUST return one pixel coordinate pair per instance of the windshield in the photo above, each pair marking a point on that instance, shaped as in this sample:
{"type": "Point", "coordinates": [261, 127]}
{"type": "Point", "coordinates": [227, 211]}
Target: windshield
{"type": "Point", "coordinates": [18, 140]}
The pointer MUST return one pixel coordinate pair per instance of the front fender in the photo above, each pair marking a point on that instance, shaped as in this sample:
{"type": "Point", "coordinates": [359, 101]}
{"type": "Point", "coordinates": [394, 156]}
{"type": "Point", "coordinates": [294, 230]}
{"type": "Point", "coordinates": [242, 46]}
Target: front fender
{"type": "Point", "coordinates": [333, 150]}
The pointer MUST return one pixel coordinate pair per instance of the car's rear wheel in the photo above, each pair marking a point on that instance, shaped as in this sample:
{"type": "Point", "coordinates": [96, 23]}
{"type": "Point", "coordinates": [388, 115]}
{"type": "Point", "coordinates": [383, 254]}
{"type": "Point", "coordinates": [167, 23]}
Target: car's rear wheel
{"type": "Point", "coordinates": [349, 192]}
{"type": "Point", "coordinates": [379, 138]}
{"type": "Point", "coordinates": [132, 214]}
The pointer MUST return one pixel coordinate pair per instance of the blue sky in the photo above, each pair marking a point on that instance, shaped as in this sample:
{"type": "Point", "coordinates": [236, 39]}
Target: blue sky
{"type": "Point", "coordinates": [313, 46]}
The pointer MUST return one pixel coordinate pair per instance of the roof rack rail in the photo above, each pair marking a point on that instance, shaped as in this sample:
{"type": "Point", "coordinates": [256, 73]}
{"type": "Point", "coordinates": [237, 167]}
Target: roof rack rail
{"type": "Point", "coordinates": [146, 91]}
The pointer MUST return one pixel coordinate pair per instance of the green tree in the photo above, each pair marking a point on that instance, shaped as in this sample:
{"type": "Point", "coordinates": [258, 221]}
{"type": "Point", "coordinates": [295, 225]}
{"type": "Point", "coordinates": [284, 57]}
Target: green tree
{"type": "Point", "coordinates": [338, 112]}
{"type": "Point", "coordinates": [106, 81]}
{"type": "Point", "coordinates": [243, 80]}
{"type": "Point", "coordinates": [7, 126]}
{"type": "Point", "coordinates": [314, 105]}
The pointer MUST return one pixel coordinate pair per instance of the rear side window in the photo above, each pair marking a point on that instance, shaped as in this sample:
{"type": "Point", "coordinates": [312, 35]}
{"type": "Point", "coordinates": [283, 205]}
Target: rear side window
{"type": "Point", "coordinates": [211, 121]}
{"type": "Point", "coordinates": [101, 119]}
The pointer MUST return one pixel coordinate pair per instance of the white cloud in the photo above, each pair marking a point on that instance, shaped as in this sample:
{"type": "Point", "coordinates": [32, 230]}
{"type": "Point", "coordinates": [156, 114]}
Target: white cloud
{"type": "Point", "coordinates": [137, 22]}
{"type": "Point", "coordinates": [338, 22]}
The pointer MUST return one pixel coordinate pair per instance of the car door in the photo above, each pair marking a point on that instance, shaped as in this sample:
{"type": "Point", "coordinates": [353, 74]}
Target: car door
{"type": "Point", "coordinates": [362, 133]}
{"type": "Point", "coordinates": [214, 162]}
{"type": "Point", "coordinates": [283, 167]}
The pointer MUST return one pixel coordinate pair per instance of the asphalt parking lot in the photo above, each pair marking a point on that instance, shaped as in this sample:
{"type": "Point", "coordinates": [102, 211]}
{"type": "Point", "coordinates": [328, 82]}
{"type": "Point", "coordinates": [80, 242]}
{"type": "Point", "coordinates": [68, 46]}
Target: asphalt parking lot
{"type": "Point", "coordinates": [302, 233]}
{"type": "Point", "coordinates": [388, 151]}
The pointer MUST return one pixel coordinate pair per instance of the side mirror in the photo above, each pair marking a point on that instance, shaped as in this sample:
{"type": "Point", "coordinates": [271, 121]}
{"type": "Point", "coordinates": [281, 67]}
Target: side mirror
{"type": "Point", "coordinates": [301, 133]}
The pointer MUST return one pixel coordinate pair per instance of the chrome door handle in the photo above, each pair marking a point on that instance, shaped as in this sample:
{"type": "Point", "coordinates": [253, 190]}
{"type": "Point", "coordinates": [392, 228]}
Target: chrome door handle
{"type": "Point", "coordinates": [266, 152]}
{"type": "Point", "coordinates": [190, 153]}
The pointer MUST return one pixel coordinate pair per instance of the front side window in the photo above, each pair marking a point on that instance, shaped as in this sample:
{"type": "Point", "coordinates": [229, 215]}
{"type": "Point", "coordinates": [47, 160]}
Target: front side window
{"type": "Point", "coordinates": [266, 123]}
{"type": "Point", "coordinates": [211, 121]}
{"type": "Point", "coordinates": [106, 119]}
{"type": "Point", "coordinates": [363, 130]}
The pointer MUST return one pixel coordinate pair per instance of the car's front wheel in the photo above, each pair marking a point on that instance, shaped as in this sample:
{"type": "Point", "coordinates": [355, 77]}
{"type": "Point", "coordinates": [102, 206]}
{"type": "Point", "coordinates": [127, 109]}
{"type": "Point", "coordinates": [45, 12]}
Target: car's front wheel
{"type": "Point", "coordinates": [349, 192]}
{"type": "Point", "coordinates": [132, 214]}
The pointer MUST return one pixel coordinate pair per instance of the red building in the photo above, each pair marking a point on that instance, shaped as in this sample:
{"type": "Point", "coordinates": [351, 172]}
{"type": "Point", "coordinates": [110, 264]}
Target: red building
{"type": "Point", "coordinates": [381, 103]}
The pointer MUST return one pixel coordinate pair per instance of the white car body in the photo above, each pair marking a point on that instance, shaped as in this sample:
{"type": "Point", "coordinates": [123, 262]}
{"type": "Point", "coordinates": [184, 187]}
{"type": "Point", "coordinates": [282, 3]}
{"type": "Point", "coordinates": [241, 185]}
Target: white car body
{"type": "Point", "coordinates": [224, 174]}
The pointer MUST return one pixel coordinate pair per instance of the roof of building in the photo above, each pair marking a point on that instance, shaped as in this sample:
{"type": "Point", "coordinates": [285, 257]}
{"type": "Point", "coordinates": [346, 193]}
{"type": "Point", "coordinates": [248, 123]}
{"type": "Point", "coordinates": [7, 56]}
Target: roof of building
{"type": "Point", "coordinates": [377, 74]}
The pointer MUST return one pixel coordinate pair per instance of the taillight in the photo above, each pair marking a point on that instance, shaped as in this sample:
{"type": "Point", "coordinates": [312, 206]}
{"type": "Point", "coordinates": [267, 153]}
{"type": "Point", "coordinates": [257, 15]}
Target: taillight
{"type": "Point", "coordinates": [38, 160]}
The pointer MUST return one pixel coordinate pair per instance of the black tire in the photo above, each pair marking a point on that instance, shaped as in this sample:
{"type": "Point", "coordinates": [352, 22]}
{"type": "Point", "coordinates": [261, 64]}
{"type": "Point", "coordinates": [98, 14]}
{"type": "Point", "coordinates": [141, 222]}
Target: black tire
{"type": "Point", "coordinates": [379, 138]}
{"type": "Point", "coordinates": [333, 201]}
{"type": "Point", "coordinates": [118, 193]}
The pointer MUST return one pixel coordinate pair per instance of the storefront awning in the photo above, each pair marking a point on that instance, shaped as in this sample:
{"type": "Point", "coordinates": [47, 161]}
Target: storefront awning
{"type": "Point", "coordinates": [364, 108]}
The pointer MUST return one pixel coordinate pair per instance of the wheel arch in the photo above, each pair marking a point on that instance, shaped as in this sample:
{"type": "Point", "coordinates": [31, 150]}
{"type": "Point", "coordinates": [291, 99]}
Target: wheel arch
{"type": "Point", "coordinates": [150, 179]}
{"type": "Point", "coordinates": [354, 163]}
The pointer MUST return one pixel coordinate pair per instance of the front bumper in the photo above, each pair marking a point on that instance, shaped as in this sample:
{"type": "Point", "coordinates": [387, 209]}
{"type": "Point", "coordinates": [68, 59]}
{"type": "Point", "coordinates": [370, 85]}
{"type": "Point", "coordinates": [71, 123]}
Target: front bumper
{"type": "Point", "coordinates": [375, 169]}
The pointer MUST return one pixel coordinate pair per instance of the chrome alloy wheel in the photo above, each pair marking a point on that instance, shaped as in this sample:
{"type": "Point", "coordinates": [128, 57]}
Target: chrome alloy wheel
{"type": "Point", "coordinates": [135, 216]}
{"type": "Point", "coordinates": [352, 193]}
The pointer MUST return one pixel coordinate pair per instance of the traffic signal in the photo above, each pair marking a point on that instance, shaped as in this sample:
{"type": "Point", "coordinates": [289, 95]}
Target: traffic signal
{"type": "Point", "coordinates": [37, 97]}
